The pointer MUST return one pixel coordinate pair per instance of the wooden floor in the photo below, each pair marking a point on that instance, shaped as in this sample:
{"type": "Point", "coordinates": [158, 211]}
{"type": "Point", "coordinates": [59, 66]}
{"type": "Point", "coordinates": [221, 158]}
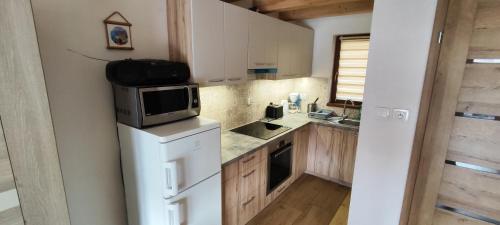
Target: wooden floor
{"type": "Point", "coordinates": [342, 214]}
{"type": "Point", "coordinates": [308, 201]}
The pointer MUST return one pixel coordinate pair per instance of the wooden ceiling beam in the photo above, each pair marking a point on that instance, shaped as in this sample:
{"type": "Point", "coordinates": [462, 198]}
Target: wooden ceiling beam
{"type": "Point", "coordinates": [287, 5]}
{"type": "Point", "coordinates": [338, 9]}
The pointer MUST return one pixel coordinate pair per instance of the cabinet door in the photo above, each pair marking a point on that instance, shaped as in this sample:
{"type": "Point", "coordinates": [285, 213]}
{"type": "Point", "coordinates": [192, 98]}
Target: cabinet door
{"type": "Point", "coordinates": [236, 43]}
{"type": "Point", "coordinates": [286, 47]}
{"type": "Point", "coordinates": [306, 52]}
{"type": "Point", "coordinates": [301, 144]}
{"type": "Point", "coordinates": [323, 150]}
{"type": "Point", "coordinates": [336, 160]}
{"type": "Point", "coordinates": [230, 194]}
{"type": "Point", "coordinates": [263, 42]}
{"type": "Point", "coordinates": [348, 155]}
{"type": "Point", "coordinates": [208, 41]}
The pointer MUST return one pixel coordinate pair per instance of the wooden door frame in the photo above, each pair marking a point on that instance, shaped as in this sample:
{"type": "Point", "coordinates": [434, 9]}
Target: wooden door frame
{"type": "Point", "coordinates": [26, 118]}
{"type": "Point", "coordinates": [438, 105]}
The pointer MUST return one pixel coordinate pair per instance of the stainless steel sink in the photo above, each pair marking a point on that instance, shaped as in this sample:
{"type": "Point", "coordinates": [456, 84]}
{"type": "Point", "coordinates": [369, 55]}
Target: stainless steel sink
{"type": "Point", "coordinates": [350, 122]}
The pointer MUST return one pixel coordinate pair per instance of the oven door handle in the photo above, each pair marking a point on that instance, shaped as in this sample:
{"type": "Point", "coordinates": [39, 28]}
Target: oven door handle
{"type": "Point", "coordinates": [282, 150]}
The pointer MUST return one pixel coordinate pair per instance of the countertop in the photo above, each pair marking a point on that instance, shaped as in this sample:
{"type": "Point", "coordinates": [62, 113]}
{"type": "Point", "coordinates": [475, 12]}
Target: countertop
{"type": "Point", "coordinates": [235, 146]}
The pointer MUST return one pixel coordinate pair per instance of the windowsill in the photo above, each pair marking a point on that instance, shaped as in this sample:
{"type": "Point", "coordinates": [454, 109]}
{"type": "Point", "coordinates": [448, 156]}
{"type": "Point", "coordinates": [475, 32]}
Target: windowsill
{"type": "Point", "coordinates": [341, 105]}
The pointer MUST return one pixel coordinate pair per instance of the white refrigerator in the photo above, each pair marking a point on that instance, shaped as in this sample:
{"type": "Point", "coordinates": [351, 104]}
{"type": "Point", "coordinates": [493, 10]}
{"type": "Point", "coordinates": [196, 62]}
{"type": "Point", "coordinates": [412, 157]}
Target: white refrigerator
{"type": "Point", "coordinates": [172, 173]}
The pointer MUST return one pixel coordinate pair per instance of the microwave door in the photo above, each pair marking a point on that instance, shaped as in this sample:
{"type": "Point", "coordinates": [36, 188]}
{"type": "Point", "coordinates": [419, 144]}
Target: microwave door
{"type": "Point", "coordinates": [164, 104]}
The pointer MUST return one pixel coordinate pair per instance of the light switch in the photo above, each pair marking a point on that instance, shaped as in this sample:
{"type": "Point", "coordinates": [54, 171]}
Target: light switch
{"type": "Point", "coordinates": [401, 114]}
{"type": "Point", "coordinates": [383, 112]}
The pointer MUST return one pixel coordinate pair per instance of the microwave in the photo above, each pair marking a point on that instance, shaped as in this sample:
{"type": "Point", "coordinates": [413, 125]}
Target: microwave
{"type": "Point", "coordinates": [152, 105]}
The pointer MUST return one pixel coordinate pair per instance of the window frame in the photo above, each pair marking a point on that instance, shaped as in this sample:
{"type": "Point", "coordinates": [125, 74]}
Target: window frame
{"type": "Point", "coordinates": [335, 73]}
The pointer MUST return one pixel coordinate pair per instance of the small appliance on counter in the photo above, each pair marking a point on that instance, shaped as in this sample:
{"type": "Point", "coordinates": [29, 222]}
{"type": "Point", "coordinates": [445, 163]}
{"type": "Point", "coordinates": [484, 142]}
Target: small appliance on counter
{"type": "Point", "coordinates": [274, 111]}
{"type": "Point", "coordinates": [152, 92]}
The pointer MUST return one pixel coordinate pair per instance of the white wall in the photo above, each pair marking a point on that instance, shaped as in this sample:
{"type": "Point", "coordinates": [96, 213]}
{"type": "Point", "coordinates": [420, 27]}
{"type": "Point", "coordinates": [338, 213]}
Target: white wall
{"type": "Point", "coordinates": [400, 40]}
{"type": "Point", "coordinates": [81, 98]}
{"type": "Point", "coordinates": [325, 30]}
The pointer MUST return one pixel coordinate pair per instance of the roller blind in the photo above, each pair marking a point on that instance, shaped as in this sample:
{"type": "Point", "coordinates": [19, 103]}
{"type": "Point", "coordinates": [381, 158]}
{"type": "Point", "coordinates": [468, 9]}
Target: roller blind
{"type": "Point", "coordinates": [352, 64]}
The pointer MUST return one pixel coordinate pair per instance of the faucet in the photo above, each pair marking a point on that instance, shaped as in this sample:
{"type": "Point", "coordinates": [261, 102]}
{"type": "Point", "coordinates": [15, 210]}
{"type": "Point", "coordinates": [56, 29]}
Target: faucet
{"type": "Point", "coordinates": [345, 104]}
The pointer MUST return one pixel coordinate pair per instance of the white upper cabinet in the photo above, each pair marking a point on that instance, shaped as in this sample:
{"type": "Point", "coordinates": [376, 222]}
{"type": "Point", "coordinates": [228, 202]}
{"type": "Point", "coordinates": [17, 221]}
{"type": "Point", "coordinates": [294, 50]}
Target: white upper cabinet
{"type": "Point", "coordinates": [263, 41]}
{"type": "Point", "coordinates": [207, 18]}
{"type": "Point", "coordinates": [286, 53]}
{"type": "Point", "coordinates": [294, 51]}
{"type": "Point", "coordinates": [236, 43]}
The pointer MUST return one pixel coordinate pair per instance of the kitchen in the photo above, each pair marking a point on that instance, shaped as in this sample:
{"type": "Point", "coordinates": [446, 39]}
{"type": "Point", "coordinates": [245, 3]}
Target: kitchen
{"type": "Point", "coordinates": [284, 119]}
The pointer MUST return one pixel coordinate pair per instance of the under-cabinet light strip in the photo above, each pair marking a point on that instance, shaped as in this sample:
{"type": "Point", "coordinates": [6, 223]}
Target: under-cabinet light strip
{"type": "Point", "coordinates": [473, 167]}
{"type": "Point", "coordinates": [468, 214]}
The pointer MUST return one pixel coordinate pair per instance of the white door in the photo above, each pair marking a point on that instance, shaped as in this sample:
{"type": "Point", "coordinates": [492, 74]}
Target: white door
{"type": "Point", "coordinates": [263, 42]}
{"type": "Point", "coordinates": [199, 205]}
{"type": "Point", "coordinates": [208, 41]}
{"type": "Point", "coordinates": [236, 43]}
{"type": "Point", "coordinates": [190, 160]}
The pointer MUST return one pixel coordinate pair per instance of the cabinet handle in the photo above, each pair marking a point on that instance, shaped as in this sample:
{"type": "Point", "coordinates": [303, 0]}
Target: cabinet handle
{"type": "Point", "coordinates": [234, 79]}
{"type": "Point", "coordinates": [216, 80]}
{"type": "Point", "coordinates": [248, 202]}
{"type": "Point", "coordinates": [248, 174]}
{"type": "Point", "coordinates": [249, 159]}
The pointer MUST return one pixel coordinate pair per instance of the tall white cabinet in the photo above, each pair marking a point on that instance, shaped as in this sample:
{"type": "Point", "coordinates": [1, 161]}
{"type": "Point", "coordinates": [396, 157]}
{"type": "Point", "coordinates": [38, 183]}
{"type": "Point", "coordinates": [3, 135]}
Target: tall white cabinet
{"type": "Point", "coordinates": [207, 41]}
{"type": "Point", "coordinates": [235, 43]}
{"type": "Point", "coordinates": [219, 34]}
{"type": "Point", "coordinates": [263, 42]}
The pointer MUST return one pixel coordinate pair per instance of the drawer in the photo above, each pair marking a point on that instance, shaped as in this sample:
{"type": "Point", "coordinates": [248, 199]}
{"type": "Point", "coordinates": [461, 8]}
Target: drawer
{"type": "Point", "coordinates": [249, 182]}
{"type": "Point", "coordinates": [248, 208]}
{"type": "Point", "coordinates": [230, 171]}
{"type": "Point", "coordinates": [249, 161]}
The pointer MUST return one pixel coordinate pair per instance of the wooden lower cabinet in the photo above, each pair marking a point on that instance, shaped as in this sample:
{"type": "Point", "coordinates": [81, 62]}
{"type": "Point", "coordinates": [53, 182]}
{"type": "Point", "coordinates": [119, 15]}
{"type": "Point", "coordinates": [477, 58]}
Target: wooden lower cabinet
{"type": "Point", "coordinates": [324, 151]}
{"type": "Point", "coordinates": [242, 188]}
{"type": "Point", "coordinates": [332, 152]}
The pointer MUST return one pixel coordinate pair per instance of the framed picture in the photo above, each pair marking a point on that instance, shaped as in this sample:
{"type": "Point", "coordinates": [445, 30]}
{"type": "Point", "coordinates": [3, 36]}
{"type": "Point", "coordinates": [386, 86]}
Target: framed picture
{"type": "Point", "coordinates": [118, 32]}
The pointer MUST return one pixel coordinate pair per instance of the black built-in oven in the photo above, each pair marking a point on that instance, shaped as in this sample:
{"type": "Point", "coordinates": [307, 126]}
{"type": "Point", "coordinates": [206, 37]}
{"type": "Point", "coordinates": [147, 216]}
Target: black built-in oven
{"type": "Point", "coordinates": [280, 160]}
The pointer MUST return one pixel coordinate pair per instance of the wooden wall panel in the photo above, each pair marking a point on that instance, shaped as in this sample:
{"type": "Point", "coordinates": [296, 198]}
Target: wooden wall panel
{"type": "Point", "coordinates": [27, 123]}
{"type": "Point", "coordinates": [470, 190]}
{"type": "Point", "coordinates": [476, 142]}
{"type": "Point", "coordinates": [485, 41]}
{"type": "Point", "coordinates": [443, 217]}
{"type": "Point", "coordinates": [11, 216]}
{"type": "Point", "coordinates": [480, 89]}
{"type": "Point", "coordinates": [450, 71]}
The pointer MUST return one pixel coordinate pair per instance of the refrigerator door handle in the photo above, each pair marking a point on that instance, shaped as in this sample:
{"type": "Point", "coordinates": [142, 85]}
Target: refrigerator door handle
{"type": "Point", "coordinates": [171, 185]}
{"type": "Point", "coordinates": [173, 213]}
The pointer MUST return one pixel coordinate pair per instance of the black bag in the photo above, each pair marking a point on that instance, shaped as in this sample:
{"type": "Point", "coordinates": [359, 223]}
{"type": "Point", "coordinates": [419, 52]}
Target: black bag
{"type": "Point", "coordinates": [146, 72]}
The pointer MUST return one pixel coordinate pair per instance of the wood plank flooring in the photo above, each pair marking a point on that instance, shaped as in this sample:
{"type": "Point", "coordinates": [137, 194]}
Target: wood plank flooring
{"type": "Point", "coordinates": [342, 214]}
{"type": "Point", "coordinates": [308, 201]}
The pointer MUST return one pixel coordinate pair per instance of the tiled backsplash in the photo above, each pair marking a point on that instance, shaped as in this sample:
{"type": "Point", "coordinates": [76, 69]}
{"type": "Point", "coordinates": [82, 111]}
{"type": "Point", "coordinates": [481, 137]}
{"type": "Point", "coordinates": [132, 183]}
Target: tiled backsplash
{"type": "Point", "coordinates": [228, 104]}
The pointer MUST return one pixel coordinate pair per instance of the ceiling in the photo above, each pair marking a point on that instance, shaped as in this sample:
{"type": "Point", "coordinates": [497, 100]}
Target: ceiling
{"type": "Point", "coordinates": [309, 9]}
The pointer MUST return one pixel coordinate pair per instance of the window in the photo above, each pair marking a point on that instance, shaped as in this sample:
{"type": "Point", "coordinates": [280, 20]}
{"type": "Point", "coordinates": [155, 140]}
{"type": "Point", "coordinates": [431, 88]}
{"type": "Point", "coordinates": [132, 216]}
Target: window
{"type": "Point", "coordinates": [349, 69]}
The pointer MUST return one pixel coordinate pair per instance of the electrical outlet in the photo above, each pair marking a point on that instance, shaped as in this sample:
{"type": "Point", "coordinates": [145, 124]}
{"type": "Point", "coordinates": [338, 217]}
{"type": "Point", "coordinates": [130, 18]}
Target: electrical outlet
{"type": "Point", "coordinates": [401, 114]}
{"type": "Point", "coordinates": [249, 101]}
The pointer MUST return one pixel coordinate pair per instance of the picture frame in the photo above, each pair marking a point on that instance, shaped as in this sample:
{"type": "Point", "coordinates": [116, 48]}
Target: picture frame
{"type": "Point", "coordinates": [118, 32]}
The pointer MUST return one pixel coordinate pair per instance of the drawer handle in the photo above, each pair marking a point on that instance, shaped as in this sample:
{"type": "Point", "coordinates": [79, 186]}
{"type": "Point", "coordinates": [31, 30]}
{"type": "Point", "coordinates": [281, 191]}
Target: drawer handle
{"type": "Point", "coordinates": [216, 80]}
{"type": "Point", "coordinates": [249, 159]}
{"type": "Point", "coordinates": [248, 202]}
{"type": "Point", "coordinates": [234, 79]}
{"type": "Point", "coordinates": [248, 174]}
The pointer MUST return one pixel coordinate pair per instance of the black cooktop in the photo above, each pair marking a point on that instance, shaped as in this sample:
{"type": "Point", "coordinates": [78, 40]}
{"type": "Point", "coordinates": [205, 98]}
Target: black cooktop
{"type": "Point", "coordinates": [261, 130]}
